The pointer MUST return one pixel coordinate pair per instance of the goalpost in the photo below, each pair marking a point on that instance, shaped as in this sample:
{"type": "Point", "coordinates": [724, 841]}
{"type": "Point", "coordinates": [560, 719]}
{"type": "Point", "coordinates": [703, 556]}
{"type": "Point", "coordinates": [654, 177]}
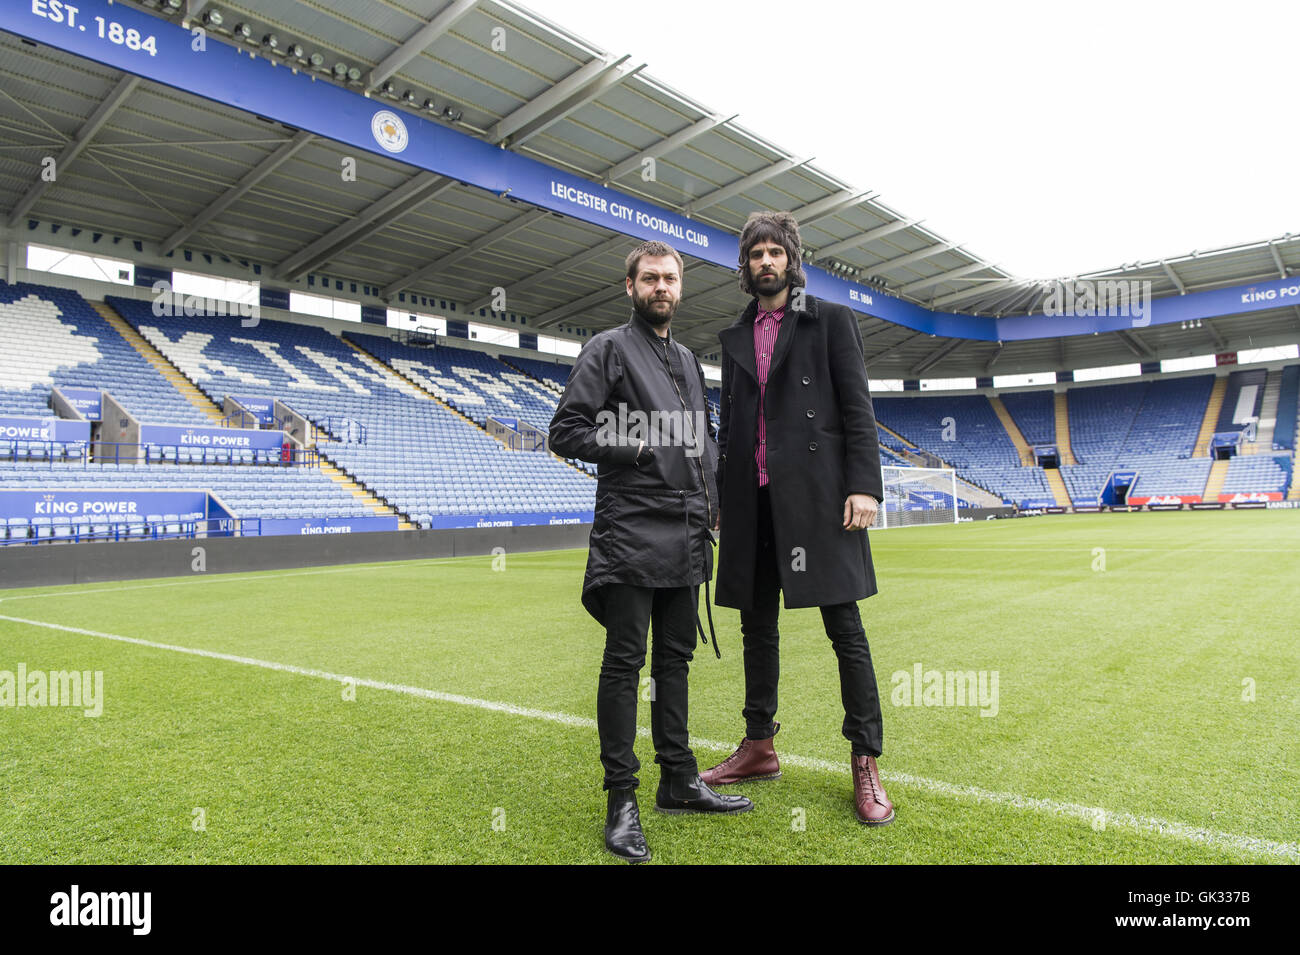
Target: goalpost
{"type": "Point", "coordinates": [916, 496]}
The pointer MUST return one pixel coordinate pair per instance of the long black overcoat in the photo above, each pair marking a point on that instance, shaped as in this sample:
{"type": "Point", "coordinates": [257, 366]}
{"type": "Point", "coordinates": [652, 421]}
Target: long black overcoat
{"type": "Point", "coordinates": [822, 445]}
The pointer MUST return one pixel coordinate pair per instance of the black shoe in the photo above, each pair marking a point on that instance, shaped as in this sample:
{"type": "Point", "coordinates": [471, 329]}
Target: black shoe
{"type": "Point", "coordinates": [623, 835]}
{"type": "Point", "coordinates": [683, 794]}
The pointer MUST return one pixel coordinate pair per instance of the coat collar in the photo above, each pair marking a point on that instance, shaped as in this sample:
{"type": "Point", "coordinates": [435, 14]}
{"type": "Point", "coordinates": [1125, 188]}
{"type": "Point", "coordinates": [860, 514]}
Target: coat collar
{"type": "Point", "coordinates": [641, 325]}
{"type": "Point", "coordinates": [738, 339]}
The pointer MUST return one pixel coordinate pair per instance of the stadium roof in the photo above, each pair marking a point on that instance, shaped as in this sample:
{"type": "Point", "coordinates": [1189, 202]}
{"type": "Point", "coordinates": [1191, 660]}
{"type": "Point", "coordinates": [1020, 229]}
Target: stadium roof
{"type": "Point", "coordinates": [180, 172]}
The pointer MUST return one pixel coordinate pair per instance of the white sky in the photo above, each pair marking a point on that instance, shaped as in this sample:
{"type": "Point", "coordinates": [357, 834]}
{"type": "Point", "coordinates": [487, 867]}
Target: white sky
{"type": "Point", "coordinates": [1050, 139]}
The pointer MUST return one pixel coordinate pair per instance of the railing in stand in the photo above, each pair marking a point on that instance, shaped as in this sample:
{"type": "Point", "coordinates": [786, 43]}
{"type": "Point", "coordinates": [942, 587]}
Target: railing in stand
{"type": "Point", "coordinates": [345, 430]}
{"type": "Point", "coordinates": [82, 530]}
{"type": "Point", "coordinates": [52, 453]}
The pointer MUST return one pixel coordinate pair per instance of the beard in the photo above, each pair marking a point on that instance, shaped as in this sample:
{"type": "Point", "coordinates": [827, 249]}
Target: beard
{"type": "Point", "coordinates": [657, 312]}
{"type": "Point", "coordinates": [770, 284]}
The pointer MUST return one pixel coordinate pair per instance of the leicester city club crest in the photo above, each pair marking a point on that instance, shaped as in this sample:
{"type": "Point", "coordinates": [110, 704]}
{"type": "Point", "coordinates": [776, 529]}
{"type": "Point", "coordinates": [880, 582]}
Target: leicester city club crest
{"type": "Point", "coordinates": [389, 131]}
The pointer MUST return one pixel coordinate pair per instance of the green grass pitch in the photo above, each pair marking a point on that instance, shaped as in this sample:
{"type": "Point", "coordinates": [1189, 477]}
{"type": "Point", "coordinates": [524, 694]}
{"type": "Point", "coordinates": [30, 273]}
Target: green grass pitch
{"type": "Point", "coordinates": [1148, 710]}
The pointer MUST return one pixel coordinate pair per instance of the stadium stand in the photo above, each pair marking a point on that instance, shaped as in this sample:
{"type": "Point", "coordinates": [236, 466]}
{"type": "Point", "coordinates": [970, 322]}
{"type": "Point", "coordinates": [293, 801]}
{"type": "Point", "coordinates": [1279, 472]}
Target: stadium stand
{"type": "Point", "coordinates": [1284, 432]}
{"type": "Point", "coordinates": [413, 453]}
{"type": "Point", "coordinates": [964, 431]}
{"type": "Point", "coordinates": [1242, 400]}
{"type": "Point", "coordinates": [1034, 414]}
{"type": "Point", "coordinates": [1256, 473]}
{"type": "Point", "coordinates": [52, 337]}
{"type": "Point", "coordinates": [473, 382]}
{"type": "Point", "coordinates": [548, 372]}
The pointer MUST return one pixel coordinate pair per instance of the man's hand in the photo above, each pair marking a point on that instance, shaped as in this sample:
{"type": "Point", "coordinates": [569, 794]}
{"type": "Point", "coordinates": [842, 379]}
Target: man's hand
{"type": "Point", "coordinates": [859, 512]}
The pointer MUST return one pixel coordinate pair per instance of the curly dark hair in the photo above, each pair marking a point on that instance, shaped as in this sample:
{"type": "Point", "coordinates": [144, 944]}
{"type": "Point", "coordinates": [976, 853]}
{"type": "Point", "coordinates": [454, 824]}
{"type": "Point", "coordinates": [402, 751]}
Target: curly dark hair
{"type": "Point", "coordinates": [778, 227]}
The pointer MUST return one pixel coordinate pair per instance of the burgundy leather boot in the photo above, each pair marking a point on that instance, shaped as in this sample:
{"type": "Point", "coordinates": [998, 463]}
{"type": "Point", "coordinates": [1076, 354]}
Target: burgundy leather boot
{"type": "Point", "coordinates": [874, 807]}
{"type": "Point", "coordinates": [754, 760]}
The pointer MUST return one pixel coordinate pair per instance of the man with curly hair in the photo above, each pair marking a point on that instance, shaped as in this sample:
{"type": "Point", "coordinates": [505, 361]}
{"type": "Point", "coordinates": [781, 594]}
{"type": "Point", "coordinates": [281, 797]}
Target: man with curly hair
{"type": "Point", "coordinates": [800, 483]}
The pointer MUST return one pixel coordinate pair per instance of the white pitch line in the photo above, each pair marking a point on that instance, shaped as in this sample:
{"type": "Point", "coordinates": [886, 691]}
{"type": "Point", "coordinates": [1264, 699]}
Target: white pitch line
{"type": "Point", "coordinates": [1092, 814]}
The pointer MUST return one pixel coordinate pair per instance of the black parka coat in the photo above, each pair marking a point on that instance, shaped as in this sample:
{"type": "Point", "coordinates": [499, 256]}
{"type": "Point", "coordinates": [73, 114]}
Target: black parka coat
{"type": "Point", "coordinates": [652, 522]}
{"type": "Point", "coordinates": [822, 445]}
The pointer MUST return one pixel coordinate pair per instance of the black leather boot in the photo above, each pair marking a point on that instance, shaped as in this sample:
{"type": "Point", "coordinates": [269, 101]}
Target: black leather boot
{"type": "Point", "coordinates": [683, 794]}
{"type": "Point", "coordinates": [623, 835]}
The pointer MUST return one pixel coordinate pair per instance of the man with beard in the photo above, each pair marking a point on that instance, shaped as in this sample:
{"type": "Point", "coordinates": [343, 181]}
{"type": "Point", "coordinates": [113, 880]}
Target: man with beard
{"type": "Point", "coordinates": [800, 485]}
{"type": "Point", "coordinates": [634, 404]}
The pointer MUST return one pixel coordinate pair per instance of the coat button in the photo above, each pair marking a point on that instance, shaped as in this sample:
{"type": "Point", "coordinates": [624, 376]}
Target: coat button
{"type": "Point", "coordinates": [812, 446]}
{"type": "Point", "coordinates": [811, 413]}
{"type": "Point", "coordinates": [807, 380]}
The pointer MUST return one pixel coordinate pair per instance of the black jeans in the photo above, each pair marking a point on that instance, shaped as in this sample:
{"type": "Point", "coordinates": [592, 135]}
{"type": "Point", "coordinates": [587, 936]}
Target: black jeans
{"type": "Point", "coordinates": [629, 609]}
{"type": "Point", "coordinates": [762, 640]}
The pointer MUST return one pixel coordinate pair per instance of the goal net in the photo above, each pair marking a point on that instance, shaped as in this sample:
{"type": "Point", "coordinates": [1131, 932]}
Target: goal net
{"type": "Point", "coordinates": [917, 496]}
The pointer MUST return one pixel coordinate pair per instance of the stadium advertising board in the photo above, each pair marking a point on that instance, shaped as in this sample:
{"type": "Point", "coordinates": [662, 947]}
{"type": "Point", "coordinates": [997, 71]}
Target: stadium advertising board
{"type": "Point", "coordinates": [1251, 497]}
{"type": "Point", "coordinates": [526, 519]}
{"type": "Point", "coordinates": [1165, 500]}
{"type": "Point", "coordinates": [327, 525]}
{"type": "Point", "coordinates": [87, 401]}
{"type": "Point", "coordinates": [20, 428]}
{"type": "Point", "coordinates": [239, 439]}
{"type": "Point", "coordinates": [263, 408]}
{"type": "Point", "coordinates": [100, 503]}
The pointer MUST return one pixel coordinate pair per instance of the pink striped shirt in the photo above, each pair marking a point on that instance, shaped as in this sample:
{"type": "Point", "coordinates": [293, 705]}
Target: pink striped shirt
{"type": "Point", "coordinates": [766, 327]}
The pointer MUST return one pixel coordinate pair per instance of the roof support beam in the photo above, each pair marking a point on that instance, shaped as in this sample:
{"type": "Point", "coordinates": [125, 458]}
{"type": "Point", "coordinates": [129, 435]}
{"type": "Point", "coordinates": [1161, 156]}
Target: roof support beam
{"type": "Point", "coordinates": [235, 192]}
{"type": "Point", "coordinates": [124, 88]}
{"type": "Point", "coordinates": [993, 359]}
{"type": "Point", "coordinates": [830, 205]}
{"type": "Point", "coordinates": [1134, 344]}
{"type": "Point", "coordinates": [1173, 277]}
{"type": "Point", "coordinates": [602, 296]}
{"type": "Point", "coordinates": [979, 292]}
{"type": "Point", "coordinates": [930, 360]}
{"type": "Point", "coordinates": [619, 242]}
{"type": "Point", "coordinates": [741, 185]}
{"type": "Point", "coordinates": [665, 146]}
{"type": "Point", "coordinates": [419, 41]}
{"type": "Point", "coordinates": [911, 258]}
{"type": "Point", "coordinates": [892, 348]}
{"type": "Point", "coordinates": [1219, 342]}
{"type": "Point", "coordinates": [1023, 297]}
{"type": "Point", "coordinates": [381, 214]}
{"type": "Point", "coordinates": [948, 276]}
{"type": "Point", "coordinates": [857, 241]}
{"type": "Point", "coordinates": [558, 101]}
{"type": "Point", "coordinates": [1277, 260]}
{"type": "Point", "coordinates": [474, 248]}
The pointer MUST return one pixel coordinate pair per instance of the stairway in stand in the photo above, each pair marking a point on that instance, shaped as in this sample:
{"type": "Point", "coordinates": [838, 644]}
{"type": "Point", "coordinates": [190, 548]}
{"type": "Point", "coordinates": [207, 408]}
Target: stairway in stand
{"type": "Point", "coordinates": [344, 480]}
{"type": "Point", "coordinates": [153, 356]}
{"type": "Point", "coordinates": [1057, 484]}
{"type": "Point", "coordinates": [1211, 418]}
{"type": "Point", "coordinates": [1062, 414]}
{"type": "Point", "coordinates": [1013, 432]}
{"type": "Point", "coordinates": [1214, 483]}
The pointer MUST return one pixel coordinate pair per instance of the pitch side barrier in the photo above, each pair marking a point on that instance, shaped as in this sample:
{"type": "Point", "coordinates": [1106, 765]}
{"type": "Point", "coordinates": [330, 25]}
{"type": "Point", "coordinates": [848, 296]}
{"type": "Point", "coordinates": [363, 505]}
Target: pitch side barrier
{"type": "Point", "coordinates": [99, 561]}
